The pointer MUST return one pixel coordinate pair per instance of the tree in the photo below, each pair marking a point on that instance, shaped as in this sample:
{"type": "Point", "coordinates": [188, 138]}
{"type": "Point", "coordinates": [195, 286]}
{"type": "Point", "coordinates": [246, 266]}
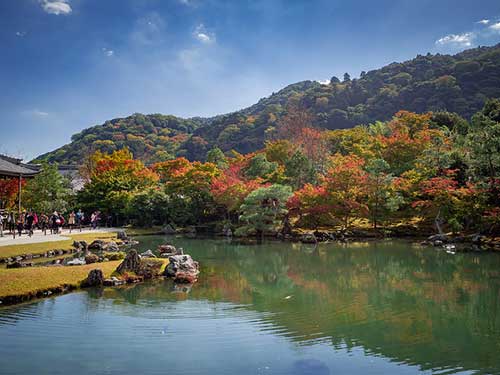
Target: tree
{"type": "Point", "coordinates": [48, 191]}
{"type": "Point", "coordinates": [230, 188]}
{"type": "Point", "coordinates": [312, 206]}
{"type": "Point", "coordinates": [259, 166]}
{"type": "Point", "coordinates": [347, 77]}
{"type": "Point", "coordinates": [345, 182]}
{"type": "Point", "coordinates": [381, 197]}
{"type": "Point", "coordinates": [483, 141]}
{"type": "Point", "coordinates": [114, 179]}
{"type": "Point", "coordinates": [187, 185]}
{"type": "Point", "coordinates": [149, 207]}
{"type": "Point", "coordinates": [217, 157]}
{"type": "Point", "coordinates": [9, 190]}
{"type": "Point", "coordinates": [263, 209]}
{"type": "Point", "coordinates": [299, 170]}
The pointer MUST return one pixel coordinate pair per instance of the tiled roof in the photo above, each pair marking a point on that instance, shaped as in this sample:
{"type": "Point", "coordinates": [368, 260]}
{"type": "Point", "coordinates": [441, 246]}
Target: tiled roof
{"type": "Point", "coordinates": [13, 167]}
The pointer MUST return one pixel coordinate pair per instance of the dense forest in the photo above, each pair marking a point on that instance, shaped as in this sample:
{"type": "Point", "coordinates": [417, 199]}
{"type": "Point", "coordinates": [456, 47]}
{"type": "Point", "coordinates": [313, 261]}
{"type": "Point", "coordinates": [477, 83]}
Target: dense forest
{"type": "Point", "coordinates": [430, 172]}
{"type": "Point", "coordinates": [460, 84]}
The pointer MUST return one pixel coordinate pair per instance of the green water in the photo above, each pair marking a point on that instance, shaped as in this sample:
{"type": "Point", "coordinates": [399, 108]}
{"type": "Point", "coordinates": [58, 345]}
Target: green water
{"type": "Point", "coordinates": [274, 308]}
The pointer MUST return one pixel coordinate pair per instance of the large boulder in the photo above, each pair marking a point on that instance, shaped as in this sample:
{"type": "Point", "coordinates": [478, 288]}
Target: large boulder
{"type": "Point", "coordinates": [150, 268]}
{"type": "Point", "coordinates": [131, 263]}
{"type": "Point", "coordinates": [168, 229]}
{"type": "Point", "coordinates": [167, 249]}
{"type": "Point", "coordinates": [308, 238]}
{"type": "Point", "coordinates": [111, 247]}
{"type": "Point", "coordinates": [18, 264]}
{"type": "Point", "coordinates": [76, 262]}
{"type": "Point", "coordinates": [122, 235]}
{"type": "Point", "coordinates": [97, 245]}
{"type": "Point", "coordinates": [95, 278]}
{"type": "Point", "coordinates": [148, 254]}
{"type": "Point", "coordinates": [182, 268]}
{"type": "Point", "coordinates": [91, 258]}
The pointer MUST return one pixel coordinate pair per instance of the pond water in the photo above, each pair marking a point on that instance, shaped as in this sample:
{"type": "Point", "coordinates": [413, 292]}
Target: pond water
{"type": "Point", "coordinates": [274, 308]}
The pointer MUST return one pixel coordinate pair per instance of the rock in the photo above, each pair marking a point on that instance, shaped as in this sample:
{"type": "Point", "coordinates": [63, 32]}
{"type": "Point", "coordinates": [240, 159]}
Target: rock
{"type": "Point", "coordinates": [91, 258]}
{"type": "Point", "coordinates": [168, 229]}
{"type": "Point", "coordinates": [76, 262]}
{"type": "Point", "coordinates": [437, 243]}
{"type": "Point", "coordinates": [19, 264]}
{"type": "Point", "coordinates": [114, 281]}
{"type": "Point", "coordinates": [182, 268]}
{"type": "Point", "coordinates": [115, 255]}
{"type": "Point", "coordinates": [122, 235]}
{"type": "Point", "coordinates": [179, 251]}
{"type": "Point", "coordinates": [167, 249]}
{"type": "Point", "coordinates": [438, 237]}
{"type": "Point", "coordinates": [98, 245]}
{"type": "Point", "coordinates": [131, 263]}
{"type": "Point", "coordinates": [477, 239]}
{"type": "Point", "coordinates": [111, 247]}
{"type": "Point", "coordinates": [148, 254]}
{"type": "Point", "coordinates": [308, 238]}
{"type": "Point", "coordinates": [149, 268]}
{"type": "Point", "coordinates": [94, 278]}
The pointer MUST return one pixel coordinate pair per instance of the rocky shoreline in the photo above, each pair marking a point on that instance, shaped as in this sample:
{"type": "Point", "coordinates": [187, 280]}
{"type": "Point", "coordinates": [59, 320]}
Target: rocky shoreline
{"type": "Point", "coordinates": [134, 268]}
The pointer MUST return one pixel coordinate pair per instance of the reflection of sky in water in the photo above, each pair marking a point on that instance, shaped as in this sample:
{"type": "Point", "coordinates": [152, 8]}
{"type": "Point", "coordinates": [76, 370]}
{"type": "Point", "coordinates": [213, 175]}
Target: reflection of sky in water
{"type": "Point", "coordinates": [72, 335]}
{"type": "Point", "coordinates": [366, 308]}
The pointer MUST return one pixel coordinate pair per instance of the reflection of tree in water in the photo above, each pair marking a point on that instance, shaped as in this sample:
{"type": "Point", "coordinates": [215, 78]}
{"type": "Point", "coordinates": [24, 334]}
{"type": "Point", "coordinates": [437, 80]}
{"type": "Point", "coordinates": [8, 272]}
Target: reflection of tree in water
{"type": "Point", "coordinates": [416, 306]}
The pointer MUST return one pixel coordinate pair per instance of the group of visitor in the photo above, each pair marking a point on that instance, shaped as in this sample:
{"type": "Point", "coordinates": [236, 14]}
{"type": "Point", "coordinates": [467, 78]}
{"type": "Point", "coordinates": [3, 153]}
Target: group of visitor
{"type": "Point", "coordinates": [29, 221]}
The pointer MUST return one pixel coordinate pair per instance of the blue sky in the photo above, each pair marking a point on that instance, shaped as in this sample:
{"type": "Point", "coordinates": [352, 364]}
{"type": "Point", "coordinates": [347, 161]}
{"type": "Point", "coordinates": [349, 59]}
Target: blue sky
{"type": "Point", "coordinates": [68, 64]}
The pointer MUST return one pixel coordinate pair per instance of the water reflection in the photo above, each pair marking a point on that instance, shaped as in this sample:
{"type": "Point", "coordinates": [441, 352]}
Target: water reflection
{"type": "Point", "coordinates": [294, 309]}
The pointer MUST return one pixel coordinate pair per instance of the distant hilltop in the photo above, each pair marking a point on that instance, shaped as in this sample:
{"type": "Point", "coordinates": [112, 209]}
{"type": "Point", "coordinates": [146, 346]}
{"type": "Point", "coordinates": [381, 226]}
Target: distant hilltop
{"type": "Point", "coordinates": [459, 83]}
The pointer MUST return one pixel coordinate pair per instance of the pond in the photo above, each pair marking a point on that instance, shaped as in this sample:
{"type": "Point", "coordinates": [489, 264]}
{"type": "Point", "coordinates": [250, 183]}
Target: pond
{"type": "Point", "coordinates": [273, 308]}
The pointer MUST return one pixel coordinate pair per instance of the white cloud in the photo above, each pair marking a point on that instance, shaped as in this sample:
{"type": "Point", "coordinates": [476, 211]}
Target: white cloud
{"type": "Point", "coordinates": [457, 40]}
{"type": "Point", "coordinates": [484, 22]}
{"type": "Point", "coordinates": [21, 34]}
{"type": "Point", "coordinates": [325, 82]}
{"type": "Point", "coordinates": [56, 7]}
{"type": "Point", "coordinates": [36, 113]}
{"type": "Point", "coordinates": [203, 35]}
{"type": "Point", "coordinates": [495, 26]}
{"type": "Point", "coordinates": [108, 52]}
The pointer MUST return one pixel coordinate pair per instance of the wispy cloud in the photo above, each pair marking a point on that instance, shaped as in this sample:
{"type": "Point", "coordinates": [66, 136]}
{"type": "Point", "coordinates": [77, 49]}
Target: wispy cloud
{"type": "Point", "coordinates": [21, 34]}
{"type": "Point", "coordinates": [56, 7]}
{"type": "Point", "coordinates": [495, 26]}
{"type": "Point", "coordinates": [204, 36]}
{"type": "Point", "coordinates": [35, 113]}
{"type": "Point", "coordinates": [484, 22]}
{"type": "Point", "coordinates": [108, 52]}
{"type": "Point", "coordinates": [457, 40]}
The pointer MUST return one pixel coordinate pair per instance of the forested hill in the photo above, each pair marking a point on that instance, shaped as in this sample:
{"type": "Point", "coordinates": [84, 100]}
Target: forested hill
{"type": "Point", "coordinates": [459, 83]}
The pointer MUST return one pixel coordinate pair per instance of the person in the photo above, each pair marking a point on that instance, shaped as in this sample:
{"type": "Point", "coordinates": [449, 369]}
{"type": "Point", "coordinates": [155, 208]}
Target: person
{"type": "Point", "coordinates": [44, 223]}
{"type": "Point", "coordinates": [29, 223]}
{"type": "Point", "coordinates": [93, 219]}
{"type": "Point", "coordinates": [11, 221]}
{"type": "Point", "coordinates": [71, 220]}
{"type": "Point", "coordinates": [55, 221]}
{"type": "Point", "coordinates": [20, 225]}
{"type": "Point", "coordinates": [79, 219]}
{"type": "Point", "coordinates": [1, 224]}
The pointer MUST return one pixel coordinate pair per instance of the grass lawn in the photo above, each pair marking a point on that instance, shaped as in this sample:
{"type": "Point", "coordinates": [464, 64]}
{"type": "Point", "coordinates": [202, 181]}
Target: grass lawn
{"type": "Point", "coordinates": [42, 247]}
{"type": "Point", "coordinates": [134, 231]}
{"type": "Point", "coordinates": [20, 281]}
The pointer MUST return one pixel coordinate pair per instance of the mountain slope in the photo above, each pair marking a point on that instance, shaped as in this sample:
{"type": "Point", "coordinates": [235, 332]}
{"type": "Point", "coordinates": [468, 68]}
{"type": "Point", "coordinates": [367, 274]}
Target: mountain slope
{"type": "Point", "coordinates": [459, 83]}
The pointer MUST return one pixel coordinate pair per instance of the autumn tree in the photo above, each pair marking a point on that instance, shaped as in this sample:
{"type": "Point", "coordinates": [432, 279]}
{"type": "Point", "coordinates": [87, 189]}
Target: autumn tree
{"type": "Point", "coordinates": [345, 182]}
